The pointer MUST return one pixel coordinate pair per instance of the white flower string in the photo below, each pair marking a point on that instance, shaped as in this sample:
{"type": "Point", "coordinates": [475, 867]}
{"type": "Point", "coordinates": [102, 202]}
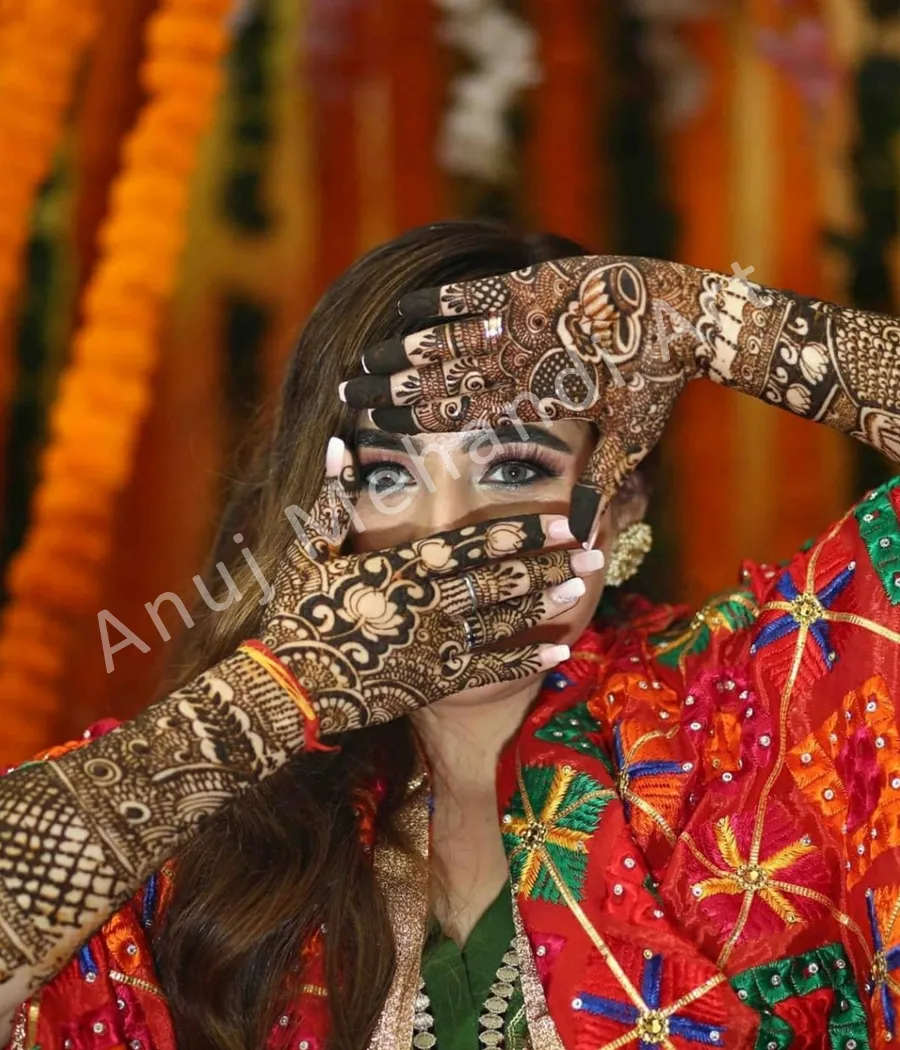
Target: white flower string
{"type": "Point", "coordinates": [475, 138]}
{"type": "Point", "coordinates": [683, 80]}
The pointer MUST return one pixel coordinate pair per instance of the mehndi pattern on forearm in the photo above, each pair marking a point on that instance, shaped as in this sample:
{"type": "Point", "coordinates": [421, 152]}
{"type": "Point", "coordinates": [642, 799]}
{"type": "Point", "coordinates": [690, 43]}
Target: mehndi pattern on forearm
{"type": "Point", "coordinates": [80, 833]}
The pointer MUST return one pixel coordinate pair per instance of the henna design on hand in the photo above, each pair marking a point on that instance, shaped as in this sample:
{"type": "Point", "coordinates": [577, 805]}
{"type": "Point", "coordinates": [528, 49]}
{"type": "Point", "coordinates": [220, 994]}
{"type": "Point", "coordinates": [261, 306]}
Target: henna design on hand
{"type": "Point", "coordinates": [614, 340]}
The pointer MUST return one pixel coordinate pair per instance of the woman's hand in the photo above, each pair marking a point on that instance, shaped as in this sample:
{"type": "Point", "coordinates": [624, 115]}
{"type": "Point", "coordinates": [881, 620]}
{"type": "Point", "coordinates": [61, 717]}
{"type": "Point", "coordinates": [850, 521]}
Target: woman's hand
{"type": "Point", "coordinates": [572, 339]}
{"type": "Point", "coordinates": [376, 635]}
{"type": "Point", "coordinates": [614, 340]}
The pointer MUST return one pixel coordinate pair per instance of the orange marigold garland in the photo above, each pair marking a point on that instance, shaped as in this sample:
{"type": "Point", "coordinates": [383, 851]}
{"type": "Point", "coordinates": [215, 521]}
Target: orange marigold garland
{"type": "Point", "coordinates": [55, 579]}
{"type": "Point", "coordinates": [42, 44]}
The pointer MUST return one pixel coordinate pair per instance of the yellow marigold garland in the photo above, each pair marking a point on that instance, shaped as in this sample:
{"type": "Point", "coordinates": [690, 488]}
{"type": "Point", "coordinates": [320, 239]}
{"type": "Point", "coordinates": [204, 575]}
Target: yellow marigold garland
{"type": "Point", "coordinates": [55, 580]}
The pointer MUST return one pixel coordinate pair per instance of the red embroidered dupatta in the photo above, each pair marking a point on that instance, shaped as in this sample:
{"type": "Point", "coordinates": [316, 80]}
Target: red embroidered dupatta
{"type": "Point", "coordinates": [702, 820]}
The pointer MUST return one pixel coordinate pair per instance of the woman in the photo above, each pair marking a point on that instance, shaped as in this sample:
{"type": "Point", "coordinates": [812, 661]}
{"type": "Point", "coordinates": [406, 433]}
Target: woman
{"type": "Point", "coordinates": [679, 870]}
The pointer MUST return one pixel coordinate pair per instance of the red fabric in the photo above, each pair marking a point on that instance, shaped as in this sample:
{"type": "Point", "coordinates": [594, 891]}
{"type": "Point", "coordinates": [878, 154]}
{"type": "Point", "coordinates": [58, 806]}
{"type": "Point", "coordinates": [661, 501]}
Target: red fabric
{"type": "Point", "coordinates": [719, 800]}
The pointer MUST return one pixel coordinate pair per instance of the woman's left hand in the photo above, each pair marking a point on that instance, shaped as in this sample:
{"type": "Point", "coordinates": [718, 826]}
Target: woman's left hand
{"type": "Point", "coordinates": [614, 340]}
{"type": "Point", "coordinates": [572, 339]}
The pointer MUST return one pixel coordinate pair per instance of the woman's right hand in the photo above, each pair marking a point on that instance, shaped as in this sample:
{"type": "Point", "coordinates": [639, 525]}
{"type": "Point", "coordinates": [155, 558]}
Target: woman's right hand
{"type": "Point", "coordinates": [376, 635]}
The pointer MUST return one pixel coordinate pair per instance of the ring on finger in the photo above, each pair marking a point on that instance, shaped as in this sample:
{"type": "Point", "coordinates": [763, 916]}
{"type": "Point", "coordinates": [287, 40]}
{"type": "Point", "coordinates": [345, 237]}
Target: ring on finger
{"type": "Point", "coordinates": [493, 326]}
{"type": "Point", "coordinates": [470, 635]}
{"type": "Point", "coordinates": [470, 588]}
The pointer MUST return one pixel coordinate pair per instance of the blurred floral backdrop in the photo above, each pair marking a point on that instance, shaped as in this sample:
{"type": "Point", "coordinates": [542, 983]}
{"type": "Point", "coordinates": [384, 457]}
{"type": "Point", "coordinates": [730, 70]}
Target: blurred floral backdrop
{"type": "Point", "coordinates": [181, 178]}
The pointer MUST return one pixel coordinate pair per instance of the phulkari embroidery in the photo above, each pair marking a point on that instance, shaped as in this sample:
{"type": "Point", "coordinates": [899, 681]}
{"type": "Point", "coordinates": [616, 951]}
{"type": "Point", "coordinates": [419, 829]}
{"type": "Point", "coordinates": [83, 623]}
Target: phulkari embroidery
{"type": "Point", "coordinates": [576, 728]}
{"type": "Point", "coordinates": [849, 769]}
{"type": "Point", "coordinates": [547, 828]}
{"type": "Point", "coordinates": [726, 613]}
{"type": "Point", "coordinates": [782, 881]}
{"type": "Point", "coordinates": [876, 516]}
{"type": "Point", "coordinates": [804, 998]}
{"type": "Point", "coordinates": [883, 906]}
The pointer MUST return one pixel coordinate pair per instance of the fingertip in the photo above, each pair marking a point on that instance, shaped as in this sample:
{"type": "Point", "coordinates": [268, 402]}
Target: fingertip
{"type": "Point", "coordinates": [334, 457]}
{"type": "Point", "coordinates": [584, 515]}
{"type": "Point", "coordinates": [553, 655]}
{"type": "Point", "coordinates": [416, 306]}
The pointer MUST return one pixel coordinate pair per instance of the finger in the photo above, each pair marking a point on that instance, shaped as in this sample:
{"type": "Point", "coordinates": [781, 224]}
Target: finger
{"type": "Point", "coordinates": [333, 512]}
{"type": "Point", "coordinates": [470, 546]}
{"type": "Point", "coordinates": [514, 617]}
{"type": "Point", "coordinates": [496, 406]}
{"type": "Point", "coordinates": [499, 582]}
{"type": "Point", "coordinates": [509, 665]}
{"type": "Point", "coordinates": [437, 382]}
{"type": "Point", "coordinates": [610, 463]}
{"type": "Point", "coordinates": [432, 345]}
{"type": "Point", "coordinates": [456, 299]}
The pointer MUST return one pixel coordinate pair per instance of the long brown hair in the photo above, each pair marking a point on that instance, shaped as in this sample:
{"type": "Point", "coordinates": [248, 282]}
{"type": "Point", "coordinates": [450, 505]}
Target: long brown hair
{"type": "Point", "coordinates": [260, 878]}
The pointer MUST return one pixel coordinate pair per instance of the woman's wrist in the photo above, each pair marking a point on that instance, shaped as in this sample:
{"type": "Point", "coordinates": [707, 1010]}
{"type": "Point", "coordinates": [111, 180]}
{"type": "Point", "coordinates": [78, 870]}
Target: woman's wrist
{"type": "Point", "coordinates": [108, 813]}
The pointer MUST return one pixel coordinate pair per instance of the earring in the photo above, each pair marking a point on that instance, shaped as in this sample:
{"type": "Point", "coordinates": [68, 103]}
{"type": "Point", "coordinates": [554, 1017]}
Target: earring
{"type": "Point", "coordinates": [628, 553]}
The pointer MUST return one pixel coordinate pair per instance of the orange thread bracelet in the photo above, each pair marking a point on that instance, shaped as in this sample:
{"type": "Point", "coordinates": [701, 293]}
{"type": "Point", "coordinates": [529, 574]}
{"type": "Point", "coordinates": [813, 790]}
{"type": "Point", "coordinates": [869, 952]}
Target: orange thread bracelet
{"type": "Point", "coordinates": [266, 659]}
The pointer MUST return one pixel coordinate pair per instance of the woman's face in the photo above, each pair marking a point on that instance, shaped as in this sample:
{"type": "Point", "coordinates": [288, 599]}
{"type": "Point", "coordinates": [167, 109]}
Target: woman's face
{"type": "Point", "coordinates": [415, 485]}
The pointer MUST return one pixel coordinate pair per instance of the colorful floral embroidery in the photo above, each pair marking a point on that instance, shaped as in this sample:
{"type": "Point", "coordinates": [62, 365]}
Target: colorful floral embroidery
{"type": "Point", "coordinates": [547, 827]}
{"type": "Point", "coordinates": [876, 516]}
{"type": "Point", "coordinates": [778, 990]}
{"type": "Point", "coordinates": [729, 726]}
{"type": "Point", "coordinates": [576, 728]}
{"type": "Point", "coordinates": [806, 609]}
{"type": "Point", "coordinates": [849, 768]}
{"type": "Point", "coordinates": [648, 780]}
{"type": "Point", "coordinates": [669, 1003]}
{"type": "Point", "coordinates": [883, 906]}
{"type": "Point", "coordinates": [777, 887]}
{"type": "Point", "coordinates": [727, 612]}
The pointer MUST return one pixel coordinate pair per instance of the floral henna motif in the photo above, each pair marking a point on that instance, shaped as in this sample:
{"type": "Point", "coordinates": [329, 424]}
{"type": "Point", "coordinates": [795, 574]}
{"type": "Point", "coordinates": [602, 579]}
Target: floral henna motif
{"type": "Point", "coordinates": [351, 628]}
{"type": "Point", "coordinates": [614, 340]}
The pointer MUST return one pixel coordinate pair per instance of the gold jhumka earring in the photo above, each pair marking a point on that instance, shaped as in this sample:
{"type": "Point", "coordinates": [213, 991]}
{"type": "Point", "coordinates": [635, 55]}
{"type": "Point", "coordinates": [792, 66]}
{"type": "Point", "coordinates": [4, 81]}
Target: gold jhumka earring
{"type": "Point", "coordinates": [628, 553]}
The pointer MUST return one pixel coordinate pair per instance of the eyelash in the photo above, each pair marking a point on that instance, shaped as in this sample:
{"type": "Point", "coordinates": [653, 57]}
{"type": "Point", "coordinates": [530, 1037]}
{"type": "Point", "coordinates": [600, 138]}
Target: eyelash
{"type": "Point", "coordinates": [535, 457]}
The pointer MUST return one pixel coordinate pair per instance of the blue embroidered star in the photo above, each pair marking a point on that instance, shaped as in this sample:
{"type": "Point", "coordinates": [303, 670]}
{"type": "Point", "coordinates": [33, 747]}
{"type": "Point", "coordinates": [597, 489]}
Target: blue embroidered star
{"type": "Point", "coordinates": [808, 610]}
{"type": "Point", "coordinates": [654, 1024]}
{"type": "Point", "coordinates": [883, 965]}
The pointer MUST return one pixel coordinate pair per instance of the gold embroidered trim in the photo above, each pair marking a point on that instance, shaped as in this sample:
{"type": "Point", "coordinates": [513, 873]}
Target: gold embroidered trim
{"type": "Point", "coordinates": [136, 982]}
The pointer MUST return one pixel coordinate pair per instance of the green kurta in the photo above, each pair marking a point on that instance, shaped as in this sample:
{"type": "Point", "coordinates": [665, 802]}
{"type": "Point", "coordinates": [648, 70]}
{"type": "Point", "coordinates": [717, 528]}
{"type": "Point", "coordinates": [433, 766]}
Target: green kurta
{"type": "Point", "coordinates": [458, 980]}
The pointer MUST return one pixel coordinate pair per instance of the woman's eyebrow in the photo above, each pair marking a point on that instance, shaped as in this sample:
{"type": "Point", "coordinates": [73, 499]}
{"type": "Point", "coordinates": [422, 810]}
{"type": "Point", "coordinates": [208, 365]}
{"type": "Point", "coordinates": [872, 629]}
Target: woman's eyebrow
{"type": "Point", "coordinates": [510, 434]}
{"type": "Point", "coordinates": [379, 439]}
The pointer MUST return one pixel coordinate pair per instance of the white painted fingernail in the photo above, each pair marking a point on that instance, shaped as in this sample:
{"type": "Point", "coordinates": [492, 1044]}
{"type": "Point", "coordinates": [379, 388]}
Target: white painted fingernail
{"type": "Point", "coordinates": [568, 591]}
{"type": "Point", "coordinates": [341, 390]}
{"type": "Point", "coordinates": [363, 363]}
{"type": "Point", "coordinates": [334, 457]}
{"type": "Point", "coordinates": [588, 561]}
{"type": "Point", "coordinates": [559, 530]}
{"type": "Point", "coordinates": [554, 654]}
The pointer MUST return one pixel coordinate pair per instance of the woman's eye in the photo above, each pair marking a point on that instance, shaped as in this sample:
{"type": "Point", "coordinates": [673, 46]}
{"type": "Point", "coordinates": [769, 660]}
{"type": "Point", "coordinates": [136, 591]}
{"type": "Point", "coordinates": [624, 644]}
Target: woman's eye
{"type": "Point", "coordinates": [513, 472]}
{"type": "Point", "coordinates": [384, 478]}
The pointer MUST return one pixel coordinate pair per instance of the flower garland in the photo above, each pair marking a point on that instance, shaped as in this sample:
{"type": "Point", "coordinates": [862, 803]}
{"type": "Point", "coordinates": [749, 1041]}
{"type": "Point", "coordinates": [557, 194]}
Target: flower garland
{"type": "Point", "coordinates": [42, 45]}
{"type": "Point", "coordinates": [475, 139]}
{"type": "Point", "coordinates": [54, 581]}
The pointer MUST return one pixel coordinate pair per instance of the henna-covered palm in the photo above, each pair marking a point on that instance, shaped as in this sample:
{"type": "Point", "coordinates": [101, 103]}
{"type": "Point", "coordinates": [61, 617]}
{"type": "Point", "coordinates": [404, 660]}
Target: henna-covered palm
{"type": "Point", "coordinates": [377, 635]}
{"type": "Point", "coordinates": [638, 330]}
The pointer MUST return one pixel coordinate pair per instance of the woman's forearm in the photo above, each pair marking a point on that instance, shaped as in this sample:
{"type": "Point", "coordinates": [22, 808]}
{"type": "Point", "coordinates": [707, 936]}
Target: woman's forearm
{"type": "Point", "coordinates": [823, 362]}
{"type": "Point", "coordinates": [79, 834]}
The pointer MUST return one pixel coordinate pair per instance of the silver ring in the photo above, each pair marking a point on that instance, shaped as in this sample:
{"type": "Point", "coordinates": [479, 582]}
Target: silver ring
{"type": "Point", "coordinates": [493, 326]}
{"type": "Point", "coordinates": [470, 636]}
{"type": "Point", "coordinates": [470, 587]}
